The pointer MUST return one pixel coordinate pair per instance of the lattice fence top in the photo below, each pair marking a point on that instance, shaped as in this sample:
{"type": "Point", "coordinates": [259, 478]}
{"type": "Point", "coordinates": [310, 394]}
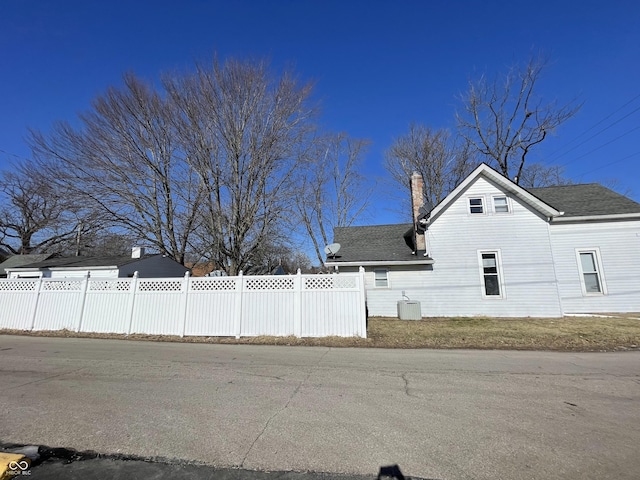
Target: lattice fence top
{"type": "Point", "coordinates": [62, 285]}
{"type": "Point", "coordinates": [329, 282]}
{"type": "Point", "coordinates": [213, 284]}
{"type": "Point", "coordinates": [159, 285]}
{"type": "Point", "coordinates": [269, 283]}
{"type": "Point", "coordinates": [18, 285]}
{"type": "Point", "coordinates": [109, 285]}
{"type": "Point", "coordinates": [208, 284]}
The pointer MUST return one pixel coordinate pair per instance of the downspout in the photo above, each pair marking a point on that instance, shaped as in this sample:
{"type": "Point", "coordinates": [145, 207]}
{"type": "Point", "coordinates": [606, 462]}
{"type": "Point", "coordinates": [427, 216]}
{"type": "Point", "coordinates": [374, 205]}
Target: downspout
{"type": "Point", "coordinates": [553, 262]}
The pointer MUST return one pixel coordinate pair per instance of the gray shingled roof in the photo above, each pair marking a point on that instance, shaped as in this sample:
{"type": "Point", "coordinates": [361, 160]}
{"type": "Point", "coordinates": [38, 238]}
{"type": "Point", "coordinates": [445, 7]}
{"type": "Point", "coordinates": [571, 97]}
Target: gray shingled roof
{"type": "Point", "coordinates": [117, 261]}
{"type": "Point", "coordinates": [373, 243]}
{"type": "Point", "coordinates": [16, 261]}
{"type": "Point", "coordinates": [585, 200]}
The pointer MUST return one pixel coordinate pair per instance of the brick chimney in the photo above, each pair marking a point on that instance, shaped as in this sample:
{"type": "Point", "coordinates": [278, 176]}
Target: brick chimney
{"type": "Point", "coordinates": [417, 201]}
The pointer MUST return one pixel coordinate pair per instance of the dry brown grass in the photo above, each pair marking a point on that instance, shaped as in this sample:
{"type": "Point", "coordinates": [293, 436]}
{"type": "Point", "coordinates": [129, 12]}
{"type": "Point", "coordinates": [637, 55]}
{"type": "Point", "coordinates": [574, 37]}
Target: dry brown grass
{"type": "Point", "coordinates": [564, 334]}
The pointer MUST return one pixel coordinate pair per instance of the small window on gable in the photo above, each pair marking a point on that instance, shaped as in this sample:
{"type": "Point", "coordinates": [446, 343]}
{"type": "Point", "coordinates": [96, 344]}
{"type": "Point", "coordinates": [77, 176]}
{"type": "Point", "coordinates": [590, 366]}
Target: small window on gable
{"type": "Point", "coordinates": [381, 278]}
{"type": "Point", "coordinates": [500, 205]}
{"type": "Point", "coordinates": [476, 205]}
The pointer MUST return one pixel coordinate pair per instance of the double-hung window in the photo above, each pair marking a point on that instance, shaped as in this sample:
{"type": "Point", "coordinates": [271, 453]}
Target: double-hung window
{"type": "Point", "coordinates": [381, 278]}
{"type": "Point", "coordinates": [476, 205]}
{"type": "Point", "coordinates": [500, 205]}
{"type": "Point", "coordinates": [590, 266]}
{"type": "Point", "coordinates": [491, 274]}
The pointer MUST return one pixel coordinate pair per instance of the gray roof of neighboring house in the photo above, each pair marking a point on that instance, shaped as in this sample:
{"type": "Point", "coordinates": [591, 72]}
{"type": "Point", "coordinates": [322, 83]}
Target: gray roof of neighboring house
{"type": "Point", "coordinates": [17, 261]}
{"type": "Point", "coordinates": [117, 261]}
{"type": "Point", "coordinates": [585, 200]}
{"type": "Point", "coordinates": [374, 243]}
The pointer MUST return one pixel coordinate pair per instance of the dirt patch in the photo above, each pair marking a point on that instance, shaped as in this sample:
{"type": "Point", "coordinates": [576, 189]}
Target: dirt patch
{"type": "Point", "coordinates": [585, 334]}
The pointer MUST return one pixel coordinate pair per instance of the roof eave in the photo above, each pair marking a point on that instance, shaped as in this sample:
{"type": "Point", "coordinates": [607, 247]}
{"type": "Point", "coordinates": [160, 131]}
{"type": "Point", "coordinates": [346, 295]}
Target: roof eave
{"type": "Point", "coordinates": [88, 267]}
{"type": "Point", "coordinates": [513, 188]}
{"type": "Point", "coordinates": [372, 263]}
{"type": "Point", "coordinates": [597, 218]}
{"type": "Point", "coordinates": [37, 269]}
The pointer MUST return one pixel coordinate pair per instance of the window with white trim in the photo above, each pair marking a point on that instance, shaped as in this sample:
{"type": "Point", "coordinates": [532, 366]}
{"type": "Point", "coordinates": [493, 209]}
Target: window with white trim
{"type": "Point", "coordinates": [491, 274]}
{"type": "Point", "coordinates": [381, 278]}
{"type": "Point", "coordinates": [476, 205]}
{"type": "Point", "coordinates": [500, 204]}
{"type": "Point", "coordinates": [590, 267]}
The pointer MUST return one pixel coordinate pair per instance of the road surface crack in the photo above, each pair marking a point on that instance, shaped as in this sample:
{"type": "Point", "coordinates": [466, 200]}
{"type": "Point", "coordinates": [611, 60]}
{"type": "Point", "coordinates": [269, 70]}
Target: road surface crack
{"type": "Point", "coordinates": [257, 375]}
{"type": "Point", "coordinates": [406, 385]}
{"type": "Point", "coordinates": [278, 412]}
{"type": "Point", "coordinates": [49, 377]}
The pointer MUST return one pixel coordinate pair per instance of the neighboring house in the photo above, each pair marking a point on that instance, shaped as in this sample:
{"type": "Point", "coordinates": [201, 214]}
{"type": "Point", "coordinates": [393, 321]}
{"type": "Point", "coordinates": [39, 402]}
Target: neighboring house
{"type": "Point", "coordinates": [147, 266]}
{"type": "Point", "coordinates": [494, 248]}
{"type": "Point", "coordinates": [4, 254]}
{"type": "Point", "coordinates": [15, 261]}
{"type": "Point", "coordinates": [264, 270]}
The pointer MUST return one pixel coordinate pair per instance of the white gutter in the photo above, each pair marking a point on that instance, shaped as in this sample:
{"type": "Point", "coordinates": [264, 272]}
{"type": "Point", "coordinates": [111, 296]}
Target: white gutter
{"type": "Point", "coordinates": [35, 269]}
{"type": "Point", "coordinates": [372, 263]}
{"type": "Point", "coordinates": [89, 267]}
{"type": "Point", "coordinates": [586, 218]}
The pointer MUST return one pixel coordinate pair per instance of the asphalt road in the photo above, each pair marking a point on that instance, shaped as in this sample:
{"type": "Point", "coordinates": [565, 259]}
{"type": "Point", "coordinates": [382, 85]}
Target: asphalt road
{"type": "Point", "coordinates": [438, 414]}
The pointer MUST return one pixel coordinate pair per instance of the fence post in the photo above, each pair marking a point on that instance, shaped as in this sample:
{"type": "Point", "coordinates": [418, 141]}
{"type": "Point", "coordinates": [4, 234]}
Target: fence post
{"type": "Point", "coordinates": [239, 292]}
{"type": "Point", "coordinates": [297, 304]}
{"type": "Point", "coordinates": [363, 303]}
{"type": "Point", "coordinates": [185, 293]}
{"type": "Point", "coordinates": [83, 292]}
{"type": "Point", "coordinates": [36, 300]}
{"type": "Point", "coordinates": [132, 299]}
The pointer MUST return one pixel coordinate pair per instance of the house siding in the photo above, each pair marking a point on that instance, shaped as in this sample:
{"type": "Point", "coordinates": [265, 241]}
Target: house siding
{"type": "Point", "coordinates": [413, 280]}
{"type": "Point", "coordinates": [521, 238]}
{"type": "Point", "coordinates": [102, 273]}
{"type": "Point", "coordinates": [452, 286]}
{"type": "Point", "coordinates": [618, 244]}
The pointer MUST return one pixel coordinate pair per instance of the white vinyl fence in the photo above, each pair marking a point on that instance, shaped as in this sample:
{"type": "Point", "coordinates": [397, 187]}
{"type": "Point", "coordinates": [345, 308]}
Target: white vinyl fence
{"type": "Point", "coordinates": [300, 305]}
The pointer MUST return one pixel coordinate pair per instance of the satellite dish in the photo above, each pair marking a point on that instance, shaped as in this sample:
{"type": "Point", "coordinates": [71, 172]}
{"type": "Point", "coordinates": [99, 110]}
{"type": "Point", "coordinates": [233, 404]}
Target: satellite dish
{"type": "Point", "coordinates": [332, 249]}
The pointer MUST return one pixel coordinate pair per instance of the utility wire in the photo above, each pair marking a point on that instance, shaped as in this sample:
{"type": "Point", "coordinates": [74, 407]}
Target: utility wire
{"type": "Point", "coordinates": [591, 128]}
{"type": "Point", "coordinates": [601, 146]}
{"type": "Point", "coordinates": [611, 163]}
{"type": "Point", "coordinates": [598, 133]}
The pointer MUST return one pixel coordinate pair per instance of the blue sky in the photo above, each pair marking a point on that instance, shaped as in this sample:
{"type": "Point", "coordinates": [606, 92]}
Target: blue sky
{"type": "Point", "coordinates": [377, 65]}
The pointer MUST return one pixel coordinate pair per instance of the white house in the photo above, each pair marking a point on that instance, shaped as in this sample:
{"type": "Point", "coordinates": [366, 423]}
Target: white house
{"type": "Point", "coordinates": [494, 248]}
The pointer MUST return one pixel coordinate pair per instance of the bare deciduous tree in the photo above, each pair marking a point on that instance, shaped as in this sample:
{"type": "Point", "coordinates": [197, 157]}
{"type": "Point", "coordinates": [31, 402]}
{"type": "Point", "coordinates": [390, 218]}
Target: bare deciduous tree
{"type": "Point", "coordinates": [34, 216]}
{"type": "Point", "coordinates": [332, 191]}
{"type": "Point", "coordinates": [539, 175]}
{"type": "Point", "coordinates": [504, 119]}
{"type": "Point", "coordinates": [208, 164]}
{"type": "Point", "coordinates": [243, 130]}
{"type": "Point", "coordinates": [432, 153]}
{"type": "Point", "coordinates": [124, 160]}
{"type": "Point", "coordinates": [106, 243]}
